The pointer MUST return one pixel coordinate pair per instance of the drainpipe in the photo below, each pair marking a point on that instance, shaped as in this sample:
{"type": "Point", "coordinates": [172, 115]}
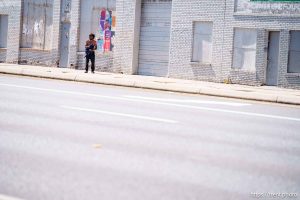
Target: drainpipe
{"type": "Point", "coordinates": [45, 25]}
{"type": "Point", "coordinates": [223, 39]}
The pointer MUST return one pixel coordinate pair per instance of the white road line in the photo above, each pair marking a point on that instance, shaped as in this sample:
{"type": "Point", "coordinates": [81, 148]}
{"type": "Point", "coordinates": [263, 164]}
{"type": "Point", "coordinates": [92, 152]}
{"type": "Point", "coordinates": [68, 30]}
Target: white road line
{"type": "Point", "coordinates": [188, 101]}
{"type": "Point", "coordinates": [75, 93]}
{"type": "Point", "coordinates": [247, 113]}
{"type": "Point", "coordinates": [124, 98]}
{"type": "Point", "coordinates": [121, 114]}
{"type": "Point", "coordinates": [5, 197]}
{"type": "Point", "coordinates": [157, 103]}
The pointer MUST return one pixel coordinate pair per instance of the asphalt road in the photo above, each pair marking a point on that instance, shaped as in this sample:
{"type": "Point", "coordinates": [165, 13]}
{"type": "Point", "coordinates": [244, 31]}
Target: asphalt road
{"type": "Point", "coordinates": [72, 141]}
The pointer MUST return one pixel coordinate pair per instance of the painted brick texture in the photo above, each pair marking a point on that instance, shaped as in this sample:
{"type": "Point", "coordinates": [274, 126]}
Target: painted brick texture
{"type": "Point", "coordinates": [12, 8]}
{"type": "Point", "coordinates": [225, 20]}
{"type": "Point", "coordinates": [127, 42]}
{"type": "Point", "coordinates": [263, 23]}
{"type": "Point", "coordinates": [44, 57]}
{"type": "Point", "coordinates": [184, 14]}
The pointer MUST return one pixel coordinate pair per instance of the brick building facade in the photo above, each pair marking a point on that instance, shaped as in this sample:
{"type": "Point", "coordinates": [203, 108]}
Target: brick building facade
{"type": "Point", "coordinates": [9, 30]}
{"type": "Point", "coordinates": [239, 41]}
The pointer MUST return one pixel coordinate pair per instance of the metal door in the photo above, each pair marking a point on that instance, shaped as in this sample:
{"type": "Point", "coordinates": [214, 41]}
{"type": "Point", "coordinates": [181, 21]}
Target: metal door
{"type": "Point", "coordinates": [3, 30]}
{"type": "Point", "coordinates": [273, 58]}
{"type": "Point", "coordinates": [155, 37]}
{"type": "Point", "coordinates": [64, 45]}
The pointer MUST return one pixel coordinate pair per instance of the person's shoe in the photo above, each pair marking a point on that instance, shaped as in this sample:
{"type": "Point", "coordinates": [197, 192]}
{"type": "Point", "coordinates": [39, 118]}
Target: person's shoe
{"type": "Point", "coordinates": [93, 72]}
{"type": "Point", "coordinates": [86, 72]}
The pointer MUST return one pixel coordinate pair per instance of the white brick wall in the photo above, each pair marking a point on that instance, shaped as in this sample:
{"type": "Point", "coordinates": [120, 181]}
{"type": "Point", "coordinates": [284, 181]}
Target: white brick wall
{"type": "Point", "coordinates": [2, 55]}
{"type": "Point", "coordinates": [222, 14]}
{"type": "Point", "coordinates": [103, 62]}
{"type": "Point", "coordinates": [127, 31]}
{"type": "Point", "coordinates": [184, 13]}
{"type": "Point", "coordinates": [12, 8]}
{"type": "Point", "coordinates": [74, 32]}
{"type": "Point", "coordinates": [264, 23]}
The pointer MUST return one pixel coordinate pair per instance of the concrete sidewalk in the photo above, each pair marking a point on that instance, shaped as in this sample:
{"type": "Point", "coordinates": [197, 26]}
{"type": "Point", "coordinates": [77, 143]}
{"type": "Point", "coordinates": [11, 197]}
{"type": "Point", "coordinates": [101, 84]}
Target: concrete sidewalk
{"type": "Point", "coordinates": [263, 93]}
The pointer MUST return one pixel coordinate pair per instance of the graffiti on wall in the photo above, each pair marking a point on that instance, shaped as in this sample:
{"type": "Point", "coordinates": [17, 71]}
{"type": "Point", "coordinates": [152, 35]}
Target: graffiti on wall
{"type": "Point", "coordinates": [284, 7]}
{"type": "Point", "coordinates": [106, 31]}
{"type": "Point", "coordinates": [67, 6]}
{"type": "Point", "coordinates": [66, 10]}
{"type": "Point", "coordinates": [37, 24]}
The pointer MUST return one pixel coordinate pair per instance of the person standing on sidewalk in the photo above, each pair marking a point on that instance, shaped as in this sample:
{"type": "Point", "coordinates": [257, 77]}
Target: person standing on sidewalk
{"type": "Point", "coordinates": [90, 47]}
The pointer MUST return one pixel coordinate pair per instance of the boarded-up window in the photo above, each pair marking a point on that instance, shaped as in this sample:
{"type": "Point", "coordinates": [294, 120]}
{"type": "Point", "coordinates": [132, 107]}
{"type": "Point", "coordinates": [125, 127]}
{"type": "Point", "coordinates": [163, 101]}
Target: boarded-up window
{"type": "Point", "coordinates": [294, 53]}
{"type": "Point", "coordinates": [202, 43]}
{"type": "Point", "coordinates": [244, 56]}
{"type": "Point", "coordinates": [3, 30]}
{"type": "Point", "coordinates": [37, 24]}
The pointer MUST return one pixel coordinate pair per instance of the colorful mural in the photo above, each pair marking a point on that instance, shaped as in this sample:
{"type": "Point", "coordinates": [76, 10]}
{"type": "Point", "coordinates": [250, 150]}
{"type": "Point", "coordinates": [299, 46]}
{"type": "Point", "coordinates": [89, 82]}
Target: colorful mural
{"type": "Point", "coordinates": [106, 30]}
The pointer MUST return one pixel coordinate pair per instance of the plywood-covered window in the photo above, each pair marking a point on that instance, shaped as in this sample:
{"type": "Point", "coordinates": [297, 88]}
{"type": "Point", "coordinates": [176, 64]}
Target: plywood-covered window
{"type": "Point", "coordinates": [294, 52]}
{"type": "Point", "coordinates": [244, 56]}
{"type": "Point", "coordinates": [202, 42]}
{"type": "Point", "coordinates": [37, 20]}
{"type": "Point", "coordinates": [3, 30]}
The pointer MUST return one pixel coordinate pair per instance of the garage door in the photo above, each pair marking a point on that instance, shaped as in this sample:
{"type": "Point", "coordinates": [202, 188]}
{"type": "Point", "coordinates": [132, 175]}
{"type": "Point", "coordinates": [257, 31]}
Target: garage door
{"type": "Point", "coordinates": [155, 37]}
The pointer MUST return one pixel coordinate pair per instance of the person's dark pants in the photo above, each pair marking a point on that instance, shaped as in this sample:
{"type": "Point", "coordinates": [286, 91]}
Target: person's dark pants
{"type": "Point", "coordinates": [88, 59]}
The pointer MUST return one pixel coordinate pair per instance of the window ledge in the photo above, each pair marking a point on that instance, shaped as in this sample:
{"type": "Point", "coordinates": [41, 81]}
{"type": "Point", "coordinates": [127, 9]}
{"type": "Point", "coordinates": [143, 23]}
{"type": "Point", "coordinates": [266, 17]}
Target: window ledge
{"type": "Point", "coordinates": [3, 49]}
{"type": "Point", "coordinates": [37, 50]}
{"type": "Point", "coordinates": [243, 71]}
{"type": "Point", "coordinates": [200, 64]}
{"type": "Point", "coordinates": [293, 75]}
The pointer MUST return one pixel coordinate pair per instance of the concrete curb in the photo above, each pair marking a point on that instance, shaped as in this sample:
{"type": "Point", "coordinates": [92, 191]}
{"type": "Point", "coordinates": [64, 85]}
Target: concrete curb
{"type": "Point", "coordinates": [104, 80]}
{"type": "Point", "coordinates": [69, 75]}
{"type": "Point", "coordinates": [241, 95]}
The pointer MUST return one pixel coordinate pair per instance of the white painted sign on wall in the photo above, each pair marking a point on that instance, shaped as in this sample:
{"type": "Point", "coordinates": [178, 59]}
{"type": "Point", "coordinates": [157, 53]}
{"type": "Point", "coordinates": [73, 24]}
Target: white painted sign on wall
{"type": "Point", "coordinates": [267, 7]}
